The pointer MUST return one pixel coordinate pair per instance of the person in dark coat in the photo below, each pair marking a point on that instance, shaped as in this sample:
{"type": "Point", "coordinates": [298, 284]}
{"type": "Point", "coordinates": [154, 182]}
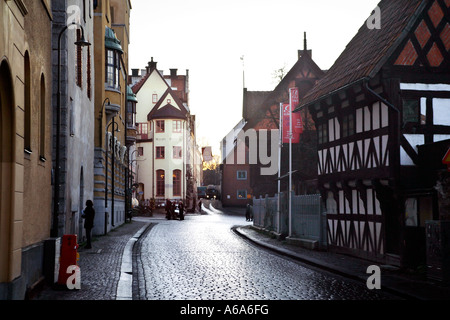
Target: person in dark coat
{"type": "Point", "coordinates": [168, 209]}
{"type": "Point", "coordinates": [88, 215]}
{"type": "Point", "coordinates": [247, 213]}
{"type": "Point", "coordinates": [181, 209]}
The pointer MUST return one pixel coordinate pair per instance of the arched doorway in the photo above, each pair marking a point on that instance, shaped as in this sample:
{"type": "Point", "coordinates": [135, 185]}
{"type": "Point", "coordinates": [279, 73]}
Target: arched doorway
{"type": "Point", "coordinates": [6, 169]}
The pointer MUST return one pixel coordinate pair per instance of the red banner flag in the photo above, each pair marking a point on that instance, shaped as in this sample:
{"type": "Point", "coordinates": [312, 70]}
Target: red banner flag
{"type": "Point", "coordinates": [297, 122]}
{"type": "Point", "coordinates": [286, 125]}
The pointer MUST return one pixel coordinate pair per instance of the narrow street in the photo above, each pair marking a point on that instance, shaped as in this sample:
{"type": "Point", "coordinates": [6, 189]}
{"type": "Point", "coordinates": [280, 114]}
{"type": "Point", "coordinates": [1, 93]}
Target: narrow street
{"type": "Point", "coordinates": [202, 258]}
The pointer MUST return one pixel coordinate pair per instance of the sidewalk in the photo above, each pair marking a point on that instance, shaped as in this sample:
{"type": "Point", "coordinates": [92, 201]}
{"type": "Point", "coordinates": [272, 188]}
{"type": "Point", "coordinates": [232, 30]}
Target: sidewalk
{"type": "Point", "coordinates": [100, 266]}
{"type": "Point", "coordinates": [392, 279]}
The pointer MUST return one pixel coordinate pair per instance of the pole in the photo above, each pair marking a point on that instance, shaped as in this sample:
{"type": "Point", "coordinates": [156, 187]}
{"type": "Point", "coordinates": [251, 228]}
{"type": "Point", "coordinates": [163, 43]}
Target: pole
{"type": "Point", "coordinates": [290, 163]}
{"type": "Point", "coordinates": [113, 154]}
{"type": "Point", "coordinates": [280, 143]}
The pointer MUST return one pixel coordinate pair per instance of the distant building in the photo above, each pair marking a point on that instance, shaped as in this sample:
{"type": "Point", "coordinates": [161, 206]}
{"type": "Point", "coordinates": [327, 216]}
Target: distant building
{"type": "Point", "coordinates": [236, 187]}
{"type": "Point", "coordinates": [261, 111]}
{"type": "Point", "coordinates": [168, 157]}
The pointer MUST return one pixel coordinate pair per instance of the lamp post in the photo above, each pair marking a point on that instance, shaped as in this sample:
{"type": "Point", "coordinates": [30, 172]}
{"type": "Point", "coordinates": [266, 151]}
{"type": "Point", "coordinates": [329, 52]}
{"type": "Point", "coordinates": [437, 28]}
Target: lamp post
{"type": "Point", "coordinates": [81, 43]}
{"type": "Point", "coordinates": [113, 123]}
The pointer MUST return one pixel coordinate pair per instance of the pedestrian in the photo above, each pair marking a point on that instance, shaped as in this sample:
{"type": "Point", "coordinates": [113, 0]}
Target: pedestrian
{"type": "Point", "coordinates": [168, 209]}
{"type": "Point", "coordinates": [181, 209]}
{"type": "Point", "coordinates": [200, 205]}
{"type": "Point", "coordinates": [88, 215]}
{"type": "Point", "coordinates": [247, 212]}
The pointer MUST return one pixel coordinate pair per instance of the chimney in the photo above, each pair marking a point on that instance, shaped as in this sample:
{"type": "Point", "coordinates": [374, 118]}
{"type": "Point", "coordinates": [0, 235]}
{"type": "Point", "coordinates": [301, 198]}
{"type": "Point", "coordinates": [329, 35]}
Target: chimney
{"type": "Point", "coordinates": [173, 72]}
{"type": "Point", "coordinates": [135, 72]}
{"type": "Point", "coordinates": [151, 66]}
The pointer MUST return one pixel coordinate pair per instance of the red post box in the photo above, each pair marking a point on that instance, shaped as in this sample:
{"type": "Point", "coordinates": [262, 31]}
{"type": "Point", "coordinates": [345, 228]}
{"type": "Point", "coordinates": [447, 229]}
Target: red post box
{"type": "Point", "coordinates": [69, 256]}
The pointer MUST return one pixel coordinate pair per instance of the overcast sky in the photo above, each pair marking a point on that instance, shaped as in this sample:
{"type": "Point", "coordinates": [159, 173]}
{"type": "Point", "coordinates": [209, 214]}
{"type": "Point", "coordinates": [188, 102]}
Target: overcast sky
{"type": "Point", "coordinates": [209, 37]}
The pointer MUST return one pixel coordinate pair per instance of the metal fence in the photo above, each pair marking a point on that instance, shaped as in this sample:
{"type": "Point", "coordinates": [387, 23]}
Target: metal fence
{"type": "Point", "coordinates": [308, 216]}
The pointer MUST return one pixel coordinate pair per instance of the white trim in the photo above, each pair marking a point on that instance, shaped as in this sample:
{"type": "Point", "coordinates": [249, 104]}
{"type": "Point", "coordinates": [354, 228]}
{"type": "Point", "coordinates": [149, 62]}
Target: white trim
{"type": "Point", "coordinates": [425, 87]}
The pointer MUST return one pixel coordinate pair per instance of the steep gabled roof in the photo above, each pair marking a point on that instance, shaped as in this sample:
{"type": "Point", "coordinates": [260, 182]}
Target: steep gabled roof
{"type": "Point", "coordinates": [369, 49]}
{"type": "Point", "coordinates": [138, 85]}
{"type": "Point", "coordinates": [168, 110]}
{"type": "Point", "coordinates": [259, 103]}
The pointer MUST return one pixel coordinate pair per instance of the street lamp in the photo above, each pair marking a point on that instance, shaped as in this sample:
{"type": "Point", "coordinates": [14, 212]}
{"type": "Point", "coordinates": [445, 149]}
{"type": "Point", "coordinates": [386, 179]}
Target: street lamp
{"type": "Point", "coordinates": [80, 43]}
{"type": "Point", "coordinates": [113, 123]}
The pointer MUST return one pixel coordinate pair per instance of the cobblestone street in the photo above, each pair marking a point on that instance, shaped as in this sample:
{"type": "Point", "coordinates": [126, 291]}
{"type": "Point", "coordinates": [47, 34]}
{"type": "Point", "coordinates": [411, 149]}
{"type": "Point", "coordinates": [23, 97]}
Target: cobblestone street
{"type": "Point", "coordinates": [201, 258]}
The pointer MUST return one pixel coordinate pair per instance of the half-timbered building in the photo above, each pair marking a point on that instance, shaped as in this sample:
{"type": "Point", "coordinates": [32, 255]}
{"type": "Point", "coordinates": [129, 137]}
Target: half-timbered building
{"type": "Point", "coordinates": [386, 95]}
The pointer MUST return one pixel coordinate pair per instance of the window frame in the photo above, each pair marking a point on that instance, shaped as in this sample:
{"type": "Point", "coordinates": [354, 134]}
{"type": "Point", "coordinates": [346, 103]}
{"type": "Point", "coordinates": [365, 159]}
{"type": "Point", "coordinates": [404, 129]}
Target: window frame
{"type": "Point", "coordinates": [176, 182]}
{"type": "Point", "coordinates": [241, 171]}
{"type": "Point", "coordinates": [160, 128]}
{"type": "Point", "coordinates": [160, 183]}
{"type": "Point", "coordinates": [240, 191]}
{"type": "Point", "coordinates": [159, 154]}
{"type": "Point", "coordinates": [112, 69]}
{"type": "Point", "coordinates": [176, 126]}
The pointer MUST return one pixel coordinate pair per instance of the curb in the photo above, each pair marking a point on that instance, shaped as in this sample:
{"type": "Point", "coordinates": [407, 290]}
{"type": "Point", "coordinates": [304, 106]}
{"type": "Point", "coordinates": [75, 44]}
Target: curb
{"type": "Point", "coordinates": [125, 284]}
{"type": "Point", "coordinates": [319, 265]}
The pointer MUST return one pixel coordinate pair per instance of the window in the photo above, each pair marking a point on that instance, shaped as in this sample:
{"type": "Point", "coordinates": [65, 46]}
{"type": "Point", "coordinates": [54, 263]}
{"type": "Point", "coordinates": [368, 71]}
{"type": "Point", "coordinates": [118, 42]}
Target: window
{"type": "Point", "coordinates": [27, 138]}
{"type": "Point", "coordinates": [143, 128]}
{"type": "Point", "coordinates": [140, 151]}
{"type": "Point", "coordinates": [411, 109]}
{"type": "Point", "coordinates": [42, 137]}
{"type": "Point", "coordinates": [242, 194]}
{"type": "Point", "coordinates": [88, 73]}
{"type": "Point", "coordinates": [79, 62]}
{"type": "Point", "coordinates": [131, 114]}
{"type": "Point", "coordinates": [154, 98]}
{"type": "Point", "coordinates": [177, 182]}
{"type": "Point", "coordinates": [348, 125]}
{"type": "Point", "coordinates": [159, 126]}
{"type": "Point", "coordinates": [177, 152]}
{"type": "Point", "coordinates": [322, 131]}
{"type": "Point", "coordinates": [159, 152]}
{"type": "Point", "coordinates": [112, 69]}
{"type": "Point", "coordinates": [142, 131]}
{"type": "Point", "coordinates": [176, 126]}
{"type": "Point", "coordinates": [160, 184]}
{"type": "Point", "coordinates": [241, 175]}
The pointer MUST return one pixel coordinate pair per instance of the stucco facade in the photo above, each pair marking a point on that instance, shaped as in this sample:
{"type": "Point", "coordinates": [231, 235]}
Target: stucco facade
{"type": "Point", "coordinates": [77, 112]}
{"type": "Point", "coordinates": [25, 172]}
{"type": "Point", "coordinates": [111, 160]}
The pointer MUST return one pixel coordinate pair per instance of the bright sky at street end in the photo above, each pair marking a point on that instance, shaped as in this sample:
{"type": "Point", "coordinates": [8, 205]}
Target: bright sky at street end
{"type": "Point", "coordinates": [210, 37]}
